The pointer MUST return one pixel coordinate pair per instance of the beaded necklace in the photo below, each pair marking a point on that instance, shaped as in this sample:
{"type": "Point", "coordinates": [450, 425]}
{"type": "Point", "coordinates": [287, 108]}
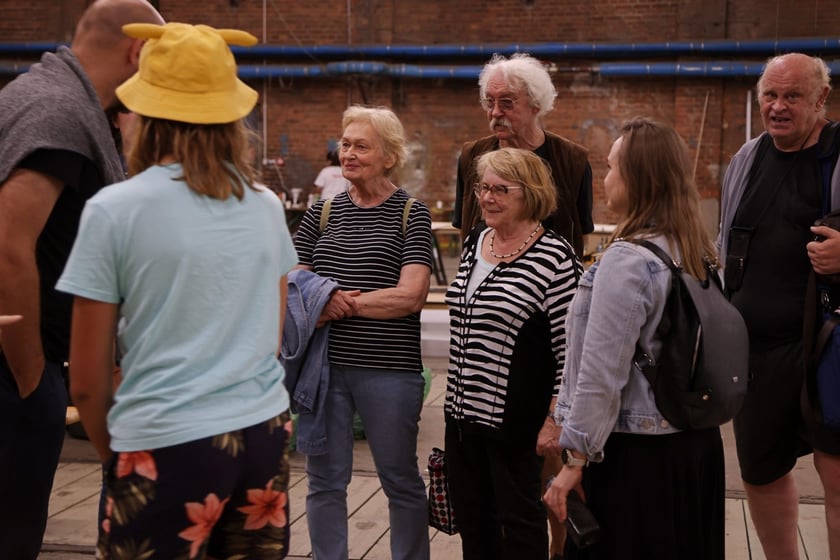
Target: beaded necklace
{"type": "Point", "coordinates": [512, 253]}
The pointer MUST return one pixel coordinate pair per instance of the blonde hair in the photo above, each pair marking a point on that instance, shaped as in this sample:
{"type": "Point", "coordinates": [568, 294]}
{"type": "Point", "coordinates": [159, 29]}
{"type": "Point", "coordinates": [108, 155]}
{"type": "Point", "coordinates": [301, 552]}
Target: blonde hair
{"type": "Point", "coordinates": [663, 200]}
{"type": "Point", "coordinates": [387, 126]}
{"type": "Point", "coordinates": [214, 157]}
{"type": "Point", "coordinates": [527, 169]}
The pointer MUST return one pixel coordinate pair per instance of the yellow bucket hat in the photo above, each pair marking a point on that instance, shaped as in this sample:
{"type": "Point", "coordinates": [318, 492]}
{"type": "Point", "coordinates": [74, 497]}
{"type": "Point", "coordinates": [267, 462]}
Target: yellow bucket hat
{"type": "Point", "coordinates": [187, 73]}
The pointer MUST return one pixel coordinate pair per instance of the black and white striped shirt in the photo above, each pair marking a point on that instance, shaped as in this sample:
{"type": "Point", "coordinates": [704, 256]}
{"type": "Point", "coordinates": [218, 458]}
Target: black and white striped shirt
{"type": "Point", "coordinates": [508, 341]}
{"type": "Point", "coordinates": [364, 249]}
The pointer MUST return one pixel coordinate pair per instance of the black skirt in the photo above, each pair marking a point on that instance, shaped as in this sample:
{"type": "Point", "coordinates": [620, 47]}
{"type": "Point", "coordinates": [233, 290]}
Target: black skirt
{"type": "Point", "coordinates": [657, 498]}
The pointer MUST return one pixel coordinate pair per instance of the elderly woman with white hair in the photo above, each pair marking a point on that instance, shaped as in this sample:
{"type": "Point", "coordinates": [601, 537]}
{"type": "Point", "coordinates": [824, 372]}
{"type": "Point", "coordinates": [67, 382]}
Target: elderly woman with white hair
{"type": "Point", "coordinates": [375, 242]}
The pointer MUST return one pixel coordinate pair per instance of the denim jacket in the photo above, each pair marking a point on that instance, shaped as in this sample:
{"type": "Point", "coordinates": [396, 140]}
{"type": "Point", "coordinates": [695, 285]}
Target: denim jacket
{"type": "Point", "coordinates": [619, 302]}
{"type": "Point", "coordinates": [304, 356]}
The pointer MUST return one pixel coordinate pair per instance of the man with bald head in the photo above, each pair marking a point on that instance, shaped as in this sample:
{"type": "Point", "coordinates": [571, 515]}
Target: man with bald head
{"type": "Point", "coordinates": [56, 151]}
{"type": "Point", "coordinates": [774, 189]}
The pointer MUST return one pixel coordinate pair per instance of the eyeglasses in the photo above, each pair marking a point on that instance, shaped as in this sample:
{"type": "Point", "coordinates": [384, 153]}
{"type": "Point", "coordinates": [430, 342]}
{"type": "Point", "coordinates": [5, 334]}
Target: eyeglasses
{"type": "Point", "coordinates": [498, 191]}
{"type": "Point", "coordinates": [505, 103]}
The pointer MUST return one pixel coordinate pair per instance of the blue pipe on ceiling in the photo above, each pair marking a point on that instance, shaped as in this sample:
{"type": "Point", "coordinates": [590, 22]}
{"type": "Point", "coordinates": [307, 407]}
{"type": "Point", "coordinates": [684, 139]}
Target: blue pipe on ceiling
{"type": "Point", "coordinates": [768, 47]}
{"type": "Point", "coordinates": [548, 50]}
{"type": "Point", "coordinates": [30, 47]}
{"type": "Point", "coordinates": [616, 69]}
{"type": "Point", "coordinates": [335, 69]}
{"type": "Point", "coordinates": [12, 69]}
{"type": "Point", "coordinates": [690, 69]}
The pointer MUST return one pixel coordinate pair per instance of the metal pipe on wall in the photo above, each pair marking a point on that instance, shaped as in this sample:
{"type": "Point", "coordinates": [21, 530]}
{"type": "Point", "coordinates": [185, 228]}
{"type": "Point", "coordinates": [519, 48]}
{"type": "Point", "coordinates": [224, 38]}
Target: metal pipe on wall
{"type": "Point", "coordinates": [703, 69]}
{"type": "Point", "coordinates": [817, 45]}
{"type": "Point", "coordinates": [554, 50]}
{"type": "Point", "coordinates": [628, 69]}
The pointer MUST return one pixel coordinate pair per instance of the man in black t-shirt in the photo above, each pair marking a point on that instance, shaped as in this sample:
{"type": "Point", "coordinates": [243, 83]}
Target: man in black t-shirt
{"type": "Point", "coordinates": [56, 151]}
{"type": "Point", "coordinates": [774, 189]}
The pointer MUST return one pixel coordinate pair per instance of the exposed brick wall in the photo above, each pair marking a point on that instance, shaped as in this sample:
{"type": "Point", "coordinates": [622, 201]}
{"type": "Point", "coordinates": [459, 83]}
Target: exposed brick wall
{"type": "Point", "coordinates": [439, 115]}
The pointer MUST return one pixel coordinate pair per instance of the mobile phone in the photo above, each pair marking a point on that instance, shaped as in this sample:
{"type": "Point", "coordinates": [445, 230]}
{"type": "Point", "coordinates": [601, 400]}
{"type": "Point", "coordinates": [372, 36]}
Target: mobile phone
{"type": "Point", "coordinates": [581, 525]}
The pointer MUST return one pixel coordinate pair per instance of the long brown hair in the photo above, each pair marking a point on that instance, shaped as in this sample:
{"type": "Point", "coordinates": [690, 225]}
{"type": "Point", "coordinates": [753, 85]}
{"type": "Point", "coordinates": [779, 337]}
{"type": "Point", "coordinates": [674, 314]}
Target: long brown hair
{"type": "Point", "coordinates": [214, 157]}
{"type": "Point", "coordinates": [661, 194]}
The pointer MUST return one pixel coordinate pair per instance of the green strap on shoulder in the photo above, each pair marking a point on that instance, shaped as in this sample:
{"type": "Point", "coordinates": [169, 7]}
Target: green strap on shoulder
{"type": "Point", "coordinates": [408, 204]}
{"type": "Point", "coordinates": [325, 214]}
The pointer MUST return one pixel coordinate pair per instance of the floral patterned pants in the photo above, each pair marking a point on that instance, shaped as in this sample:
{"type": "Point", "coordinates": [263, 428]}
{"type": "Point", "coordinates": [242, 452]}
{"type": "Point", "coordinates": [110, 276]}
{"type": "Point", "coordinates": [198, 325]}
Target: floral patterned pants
{"type": "Point", "coordinates": [223, 496]}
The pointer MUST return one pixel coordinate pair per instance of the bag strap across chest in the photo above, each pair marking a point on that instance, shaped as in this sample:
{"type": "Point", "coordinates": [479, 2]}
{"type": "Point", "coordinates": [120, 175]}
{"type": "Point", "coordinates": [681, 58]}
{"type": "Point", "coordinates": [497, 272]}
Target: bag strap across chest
{"type": "Point", "coordinates": [325, 214]}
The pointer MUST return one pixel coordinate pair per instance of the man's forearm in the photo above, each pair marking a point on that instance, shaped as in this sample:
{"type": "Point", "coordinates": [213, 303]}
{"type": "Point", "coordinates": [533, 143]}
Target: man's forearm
{"type": "Point", "coordinates": [19, 295]}
{"type": "Point", "coordinates": [26, 200]}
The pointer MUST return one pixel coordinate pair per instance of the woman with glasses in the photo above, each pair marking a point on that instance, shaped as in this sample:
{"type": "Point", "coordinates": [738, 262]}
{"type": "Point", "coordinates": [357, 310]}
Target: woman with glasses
{"type": "Point", "coordinates": [657, 492]}
{"type": "Point", "coordinates": [376, 243]}
{"type": "Point", "coordinates": [507, 312]}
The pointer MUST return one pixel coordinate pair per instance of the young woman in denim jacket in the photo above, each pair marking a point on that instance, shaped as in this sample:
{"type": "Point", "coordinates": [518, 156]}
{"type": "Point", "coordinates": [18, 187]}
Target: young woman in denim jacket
{"type": "Point", "coordinates": [656, 491]}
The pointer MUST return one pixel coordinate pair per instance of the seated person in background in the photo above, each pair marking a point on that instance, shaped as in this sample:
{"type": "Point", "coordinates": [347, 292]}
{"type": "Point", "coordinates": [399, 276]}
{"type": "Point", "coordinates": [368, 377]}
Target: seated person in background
{"type": "Point", "coordinates": [330, 180]}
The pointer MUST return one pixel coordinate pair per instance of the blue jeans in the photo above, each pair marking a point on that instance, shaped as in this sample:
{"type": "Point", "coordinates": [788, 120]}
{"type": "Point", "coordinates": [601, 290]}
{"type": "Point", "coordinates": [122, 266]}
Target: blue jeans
{"type": "Point", "coordinates": [389, 403]}
{"type": "Point", "coordinates": [31, 436]}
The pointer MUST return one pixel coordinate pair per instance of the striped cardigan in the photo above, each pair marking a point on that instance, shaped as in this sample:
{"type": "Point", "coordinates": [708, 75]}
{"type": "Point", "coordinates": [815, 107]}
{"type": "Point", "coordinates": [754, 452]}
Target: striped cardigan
{"type": "Point", "coordinates": [508, 341]}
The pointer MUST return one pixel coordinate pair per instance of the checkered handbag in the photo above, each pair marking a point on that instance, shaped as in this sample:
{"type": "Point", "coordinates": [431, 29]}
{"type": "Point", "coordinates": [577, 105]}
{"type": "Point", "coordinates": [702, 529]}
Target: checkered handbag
{"type": "Point", "coordinates": [441, 516]}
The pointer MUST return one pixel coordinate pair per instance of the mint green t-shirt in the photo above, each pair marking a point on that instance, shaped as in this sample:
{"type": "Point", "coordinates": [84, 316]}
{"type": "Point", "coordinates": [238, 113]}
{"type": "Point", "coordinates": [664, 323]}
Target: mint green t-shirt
{"type": "Point", "coordinates": [197, 280]}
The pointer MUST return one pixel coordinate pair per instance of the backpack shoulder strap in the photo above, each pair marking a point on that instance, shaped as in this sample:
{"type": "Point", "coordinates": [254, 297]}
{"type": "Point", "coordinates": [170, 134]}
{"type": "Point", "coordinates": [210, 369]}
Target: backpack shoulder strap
{"type": "Point", "coordinates": [325, 215]}
{"type": "Point", "coordinates": [658, 251]}
{"type": "Point", "coordinates": [644, 360]}
{"type": "Point", "coordinates": [406, 211]}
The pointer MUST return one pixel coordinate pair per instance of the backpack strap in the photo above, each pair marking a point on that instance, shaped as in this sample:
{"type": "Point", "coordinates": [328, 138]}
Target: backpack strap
{"type": "Point", "coordinates": [406, 211]}
{"type": "Point", "coordinates": [659, 252]}
{"type": "Point", "coordinates": [644, 361]}
{"type": "Point", "coordinates": [325, 214]}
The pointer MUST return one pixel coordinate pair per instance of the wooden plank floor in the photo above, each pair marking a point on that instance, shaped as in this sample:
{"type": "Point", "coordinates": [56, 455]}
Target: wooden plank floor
{"type": "Point", "coordinates": [71, 529]}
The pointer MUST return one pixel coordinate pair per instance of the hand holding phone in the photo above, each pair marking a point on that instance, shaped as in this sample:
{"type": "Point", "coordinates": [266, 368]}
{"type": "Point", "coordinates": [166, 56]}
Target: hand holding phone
{"type": "Point", "coordinates": [581, 525]}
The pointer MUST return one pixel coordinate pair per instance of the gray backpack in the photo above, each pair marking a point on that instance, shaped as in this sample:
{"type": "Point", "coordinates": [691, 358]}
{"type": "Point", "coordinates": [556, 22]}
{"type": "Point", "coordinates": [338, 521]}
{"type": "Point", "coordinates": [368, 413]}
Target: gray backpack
{"type": "Point", "coordinates": [699, 380]}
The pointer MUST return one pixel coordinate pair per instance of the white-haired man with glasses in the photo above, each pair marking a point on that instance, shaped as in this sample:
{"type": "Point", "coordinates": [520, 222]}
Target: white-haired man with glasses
{"type": "Point", "coordinates": [515, 94]}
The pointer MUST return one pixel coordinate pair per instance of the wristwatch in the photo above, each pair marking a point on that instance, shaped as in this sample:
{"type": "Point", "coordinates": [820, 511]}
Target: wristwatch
{"type": "Point", "coordinates": [570, 460]}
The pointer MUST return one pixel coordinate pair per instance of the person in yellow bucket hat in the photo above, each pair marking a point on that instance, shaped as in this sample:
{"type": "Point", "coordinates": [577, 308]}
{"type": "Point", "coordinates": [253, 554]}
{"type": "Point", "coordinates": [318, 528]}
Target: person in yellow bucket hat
{"type": "Point", "coordinates": [189, 257]}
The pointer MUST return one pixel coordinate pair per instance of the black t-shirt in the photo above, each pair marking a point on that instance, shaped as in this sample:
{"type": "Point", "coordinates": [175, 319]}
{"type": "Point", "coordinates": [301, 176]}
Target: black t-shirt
{"type": "Point", "coordinates": [772, 295]}
{"type": "Point", "coordinates": [81, 180]}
